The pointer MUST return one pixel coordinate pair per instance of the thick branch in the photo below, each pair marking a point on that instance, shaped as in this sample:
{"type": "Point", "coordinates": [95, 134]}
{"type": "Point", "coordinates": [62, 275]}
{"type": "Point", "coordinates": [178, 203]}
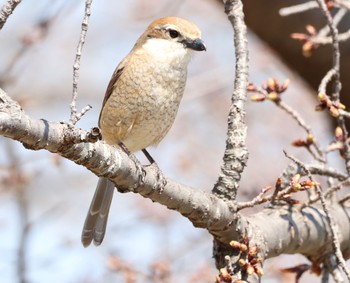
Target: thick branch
{"type": "Point", "coordinates": [309, 232]}
{"type": "Point", "coordinates": [202, 209]}
{"type": "Point", "coordinates": [308, 229]}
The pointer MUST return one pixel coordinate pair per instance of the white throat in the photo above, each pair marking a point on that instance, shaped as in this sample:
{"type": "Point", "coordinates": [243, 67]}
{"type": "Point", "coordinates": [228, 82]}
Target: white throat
{"type": "Point", "coordinates": [167, 51]}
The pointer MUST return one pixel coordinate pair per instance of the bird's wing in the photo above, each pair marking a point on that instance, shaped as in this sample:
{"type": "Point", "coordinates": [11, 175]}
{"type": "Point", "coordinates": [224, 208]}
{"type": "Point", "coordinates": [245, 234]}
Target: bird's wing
{"type": "Point", "coordinates": [116, 75]}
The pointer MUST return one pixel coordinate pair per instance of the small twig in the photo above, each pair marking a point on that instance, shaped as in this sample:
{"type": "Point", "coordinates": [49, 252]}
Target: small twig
{"type": "Point", "coordinates": [325, 80]}
{"type": "Point", "coordinates": [336, 20]}
{"type": "Point", "coordinates": [323, 40]}
{"type": "Point", "coordinates": [273, 91]}
{"type": "Point", "coordinates": [343, 3]}
{"type": "Point", "coordinates": [259, 199]}
{"type": "Point", "coordinates": [337, 187]}
{"type": "Point", "coordinates": [331, 267]}
{"type": "Point", "coordinates": [330, 191]}
{"type": "Point", "coordinates": [296, 9]}
{"type": "Point", "coordinates": [323, 170]}
{"type": "Point", "coordinates": [6, 10]}
{"type": "Point", "coordinates": [75, 117]}
{"type": "Point", "coordinates": [300, 8]}
{"type": "Point", "coordinates": [344, 113]}
{"type": "Point", "coordinates": [344, 199]}
{"type": "Point", "coordinates": [301, 122]}
{"type": "Point", "coordinates": [336, 76]}
{"type": "Point", "coordinates": [332, 224]}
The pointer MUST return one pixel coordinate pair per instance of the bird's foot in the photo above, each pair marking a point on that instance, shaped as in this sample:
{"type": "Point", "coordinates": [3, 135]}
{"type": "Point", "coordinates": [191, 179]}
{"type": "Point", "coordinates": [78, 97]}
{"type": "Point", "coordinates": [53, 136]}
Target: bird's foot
{"type": "Point", "coordinates": [161, 180]}
{"type": "Point", "coordinates": [140, 171]}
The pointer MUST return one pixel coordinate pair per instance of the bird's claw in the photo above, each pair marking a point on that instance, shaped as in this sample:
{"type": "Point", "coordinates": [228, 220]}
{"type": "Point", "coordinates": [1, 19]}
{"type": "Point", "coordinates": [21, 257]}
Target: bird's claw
{"type": "Point", "coordinates": [141, 173]}
{"type": "Point", "coordinates": [161, 180]}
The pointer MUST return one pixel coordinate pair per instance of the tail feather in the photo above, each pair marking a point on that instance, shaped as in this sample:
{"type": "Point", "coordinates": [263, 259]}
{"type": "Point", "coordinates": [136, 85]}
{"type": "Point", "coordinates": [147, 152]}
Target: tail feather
{"type": "Point", "coordinates": [96, 220]}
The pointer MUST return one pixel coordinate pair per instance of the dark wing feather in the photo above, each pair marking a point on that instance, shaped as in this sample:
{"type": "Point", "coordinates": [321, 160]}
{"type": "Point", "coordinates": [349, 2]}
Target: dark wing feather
{"type": "Point", "coordinates": [116, 75]}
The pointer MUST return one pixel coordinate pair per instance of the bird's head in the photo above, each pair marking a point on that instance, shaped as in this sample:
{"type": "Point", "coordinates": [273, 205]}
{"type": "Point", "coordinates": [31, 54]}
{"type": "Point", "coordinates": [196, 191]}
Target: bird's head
{"type": "Point", "coordinates": [172, 35]}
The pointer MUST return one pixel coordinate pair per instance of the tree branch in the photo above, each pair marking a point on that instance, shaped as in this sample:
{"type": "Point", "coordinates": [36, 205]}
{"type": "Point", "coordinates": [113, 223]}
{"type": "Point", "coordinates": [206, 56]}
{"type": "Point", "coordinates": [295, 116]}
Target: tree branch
{"type": "Point", "coordinates": [202, 209]}
{"type": "Point", "coordinates": [236, 153]}
{"type": "Point", "coordinates": [74, 116]}
{"type": "Point", "coordinates": [6, 10]}
{"type": "Point", "coordinates": [308, 228]}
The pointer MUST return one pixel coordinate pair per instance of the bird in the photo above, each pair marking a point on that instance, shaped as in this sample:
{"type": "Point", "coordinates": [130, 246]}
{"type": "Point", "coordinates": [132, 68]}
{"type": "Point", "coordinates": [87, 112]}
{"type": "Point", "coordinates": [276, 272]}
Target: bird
{"type": "Point", "coordinates": [141, 102]}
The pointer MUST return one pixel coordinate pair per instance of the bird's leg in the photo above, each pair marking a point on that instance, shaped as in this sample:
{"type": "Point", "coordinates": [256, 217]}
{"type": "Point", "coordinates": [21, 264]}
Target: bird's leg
{"type": "Point", "coordinates": [139, 168]}
{"type": "Point", "coordinates": [161, 181]}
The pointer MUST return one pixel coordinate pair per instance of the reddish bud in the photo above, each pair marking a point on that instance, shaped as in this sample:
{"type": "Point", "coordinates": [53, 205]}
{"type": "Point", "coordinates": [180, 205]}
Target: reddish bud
{"type": "Point", "coordinates": [310, 139]}
{"type": "Point", "coordinates": [322, 97]}
{"type": "Point", "coordinates": [235, 245]}
{"type": "Point", "coordinates": [308, 48]}
{"type": "Point", "coordinates": [265, 189]}
{"type": "Point", "coordinates": [251, 87]}
{"type": "Point", "coordinates": [299, 36]}
{"type": "Point", "coordinates": [250, 269]}
{"type": "Point", "coordinates": [273, 96]}
{"type": "Point", "coordinates": [339, 135]}
{"type": "Point", "coordinates": [341, 106]}
{"type": "Point", "coordinates": [225, 275]}
{"type": "Point", "coordinates": [333, 111]}
{"type": "Point", "coordinates": [315, 268]}
{"type": "Point", "coordinates": [256, 260]}
{"type": "Point", "coordinates": [320, 107]}
{"type": "Point", "coordinates": [253, 251]}
{"type": "Point", "coordinates": [258, 97]}
{"type": "Point", "coordinates": [258, 270]}
{"type": "Point", "coordinates": [243, 248]}
{"type": "Point", "coordinates": [242, 262]}
{"type": "Point", "coordinates": [311, 29]}
{"type": "Point", "coordinates": [299, 143]}
{"type": "Point", "coordinates": [271, 84]}
{"type": "Point", "coordinates": [285, 84]}
{"type": "Point", "coordinates": [296, 187]}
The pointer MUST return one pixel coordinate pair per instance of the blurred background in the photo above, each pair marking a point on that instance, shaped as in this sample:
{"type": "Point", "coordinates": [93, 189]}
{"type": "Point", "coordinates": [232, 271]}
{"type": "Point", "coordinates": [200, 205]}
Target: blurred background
{"type": "Point", "coordinates": [44, 198]}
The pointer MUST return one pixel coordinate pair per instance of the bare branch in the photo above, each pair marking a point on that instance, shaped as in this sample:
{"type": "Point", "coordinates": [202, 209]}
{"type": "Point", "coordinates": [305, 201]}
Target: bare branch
{"type": "Point", "coordinates": [332, 224]}
{"type": "Point", "coordinates": [343, 3]}
{"type": "Point", "coordinates": [336, 76]}
{"type": "Point", "coordinates": [340, 14]}
{"type": "Point", "coordinates": [302, 123]}
{"type": "Point", "coordinates": [6, 10]}
{"type": "Point", "coordinates": [295, 9]}
{"type": "Point", "coordinates": [236, 153]}
{"type": "Point", "coordinates": [74, 116]}
{"type": "Point", "coordinates": [327, 40]}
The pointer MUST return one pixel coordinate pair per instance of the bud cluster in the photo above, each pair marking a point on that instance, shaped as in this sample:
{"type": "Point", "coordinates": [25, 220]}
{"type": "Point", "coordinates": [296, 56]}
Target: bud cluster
{"type": "Point", "coordinates": [271, 90]}
{"type": "Point", "coordinates": [249, 261]}
{"type": "Point", "coordinates": [333, 107]}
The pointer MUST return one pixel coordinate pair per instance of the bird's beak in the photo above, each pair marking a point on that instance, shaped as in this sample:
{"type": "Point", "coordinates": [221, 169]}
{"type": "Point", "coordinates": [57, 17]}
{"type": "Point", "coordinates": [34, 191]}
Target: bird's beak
{"type": "Point", "coordinates": [196, 44]}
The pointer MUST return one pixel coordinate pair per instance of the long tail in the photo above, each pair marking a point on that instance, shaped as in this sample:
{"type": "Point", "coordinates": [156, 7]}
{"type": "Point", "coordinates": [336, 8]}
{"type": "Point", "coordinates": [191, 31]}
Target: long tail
{"type": "Point", "coordinates": [96, 220]}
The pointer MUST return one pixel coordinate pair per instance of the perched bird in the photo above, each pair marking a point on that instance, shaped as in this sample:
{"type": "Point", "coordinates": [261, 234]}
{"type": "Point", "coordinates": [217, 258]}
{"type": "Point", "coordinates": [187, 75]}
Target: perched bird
{"type": "Point", "coordinates": [141, 101]}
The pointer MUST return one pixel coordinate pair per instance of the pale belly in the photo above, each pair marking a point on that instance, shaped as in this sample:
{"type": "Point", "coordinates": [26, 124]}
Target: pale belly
{"type": "Point", "coordinates": [142, 122]}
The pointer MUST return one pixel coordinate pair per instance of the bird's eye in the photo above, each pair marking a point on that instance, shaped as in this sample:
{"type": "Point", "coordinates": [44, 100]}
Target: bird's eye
{"type": "Point", "coordinates": [173, 33]}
